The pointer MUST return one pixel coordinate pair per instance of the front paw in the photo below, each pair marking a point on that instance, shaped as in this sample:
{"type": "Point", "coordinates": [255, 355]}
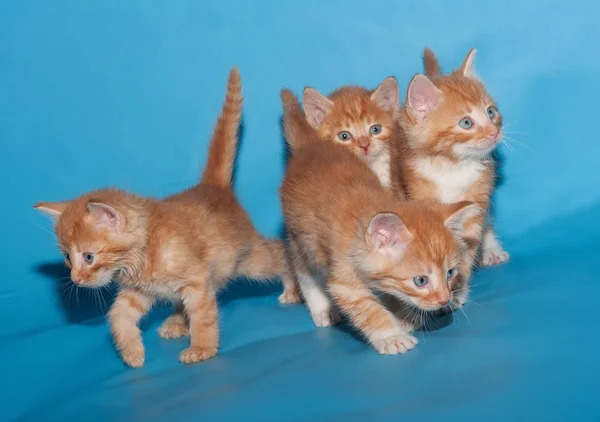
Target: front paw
{"type": "Point", "coordinates": [493, 256]}
{"type": "Point", "coordinates": [326, 318]}
{"type": "Point", "coordinates": [133, 353]}
{"type": "Point", "coordinates": [174, 327]}
{"type": "Point", "coordinates": [197, 354]}
{"type": "Point", "coordinates": [394, 345]}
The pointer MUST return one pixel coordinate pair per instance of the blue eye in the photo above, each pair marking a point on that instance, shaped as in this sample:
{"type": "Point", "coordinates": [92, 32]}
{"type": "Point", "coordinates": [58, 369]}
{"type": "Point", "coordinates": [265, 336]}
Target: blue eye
{"type": "Point", "coordinates": [491, 112]}
{"type": "Point", "coordinates": [466, 123]}
{"type": "Point", "coordinates": [344, 136]}
{"type": "Point", "coordinates": [67, 257]}
{"type": "Point", "coordinates": [451, 273]}
{"type": "Point", "coordinates": [420, 281]}
{"type": "Point", "coordinates": [89, 257]}
{"type": "Point", "coordinates": [375, 129]}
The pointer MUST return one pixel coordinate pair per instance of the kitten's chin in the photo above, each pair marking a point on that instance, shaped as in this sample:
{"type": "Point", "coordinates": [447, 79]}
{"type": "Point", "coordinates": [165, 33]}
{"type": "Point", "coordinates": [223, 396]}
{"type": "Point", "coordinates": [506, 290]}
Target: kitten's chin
{"type": "Point", "coordinates": [467, 152]}
{"type": "Point", "coordinates": [104, 280]}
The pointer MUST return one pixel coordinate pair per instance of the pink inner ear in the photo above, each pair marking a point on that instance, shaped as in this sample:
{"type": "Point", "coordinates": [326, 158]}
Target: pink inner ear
{"type": "Point", "coordinates": [105, 215]}
{"type": "Point", "coordinates": [423, 96]}
{"type": "Point", "coordinates": [388, 234]}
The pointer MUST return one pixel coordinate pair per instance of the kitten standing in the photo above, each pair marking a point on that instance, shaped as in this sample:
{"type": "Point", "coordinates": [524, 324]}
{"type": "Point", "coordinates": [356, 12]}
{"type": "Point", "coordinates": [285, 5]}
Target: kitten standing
{"type": "Point", "coordinates": [348, 237]}
{"type": "Point", "coordinates": [360, 120]}
{"type": "Point", "coordinates": [452, 126]}
{"type": "Point", "coordinates": [183, 248]}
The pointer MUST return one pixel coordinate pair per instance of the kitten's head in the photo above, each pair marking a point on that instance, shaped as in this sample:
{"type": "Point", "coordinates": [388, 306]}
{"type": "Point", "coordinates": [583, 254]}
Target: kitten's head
{"type": "Point", "coordinates": [96, 237]}
{"type": "Point", "coordinates": [451, 114]}
{"type": "Point", "coordinates": [416, 258]}
{"type": "Point", "coordinates": [359, 119]}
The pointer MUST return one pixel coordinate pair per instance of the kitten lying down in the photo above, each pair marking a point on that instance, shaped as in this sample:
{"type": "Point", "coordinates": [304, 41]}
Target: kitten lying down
{"type": "Point", "coordinates": [183, 248]}
{"type": "Point", "coordinates": [349, 238]}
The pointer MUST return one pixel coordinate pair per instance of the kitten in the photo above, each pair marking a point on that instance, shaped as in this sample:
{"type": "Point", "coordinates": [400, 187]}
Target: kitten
{"type": "Point", "coordinates": [452, 126]}
{"type": "Point", "coordinates": [352, 116]}
{"type": "Point", "coordinates": [350, 239]}
{"type": "Point", "coordinates": [183, 248]}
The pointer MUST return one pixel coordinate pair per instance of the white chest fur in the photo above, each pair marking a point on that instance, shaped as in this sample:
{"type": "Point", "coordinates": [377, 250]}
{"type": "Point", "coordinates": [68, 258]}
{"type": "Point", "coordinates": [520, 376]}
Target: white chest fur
{"type": "Point", "coordinates": [453, 180]}
{"type": "Point", "coordinates": [380, 164]}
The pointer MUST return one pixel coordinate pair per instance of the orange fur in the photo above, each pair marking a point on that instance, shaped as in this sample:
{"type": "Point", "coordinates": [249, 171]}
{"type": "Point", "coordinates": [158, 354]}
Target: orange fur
{"type": "Point", "coordinates": [360, 120]}
{"type": "Point", "coordinates": [183, 248]}
{"type": "Point", "coordinates": [348, 236]}
{"type": "Point", "coordinates": [445, 161]}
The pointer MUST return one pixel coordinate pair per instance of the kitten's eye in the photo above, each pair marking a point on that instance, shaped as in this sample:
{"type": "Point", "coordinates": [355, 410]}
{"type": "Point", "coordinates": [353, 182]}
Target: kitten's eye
{"type": "Point", "coordinates": [451, 273]}
{"type": "Point", "coordinates": [466, 123]}
{"type": "Point", "coordinates": [420, 281]}
{"type": "Point", "coordinates": [344, 136]}
{"type": "Point", "coordinates": [89, 257]}
{"type": "Point", "coordinates": [67, 257]}
{"type": "Point", "coordinates": [375, 129]}
{"type": "Point", "coordinates": [491, 112]}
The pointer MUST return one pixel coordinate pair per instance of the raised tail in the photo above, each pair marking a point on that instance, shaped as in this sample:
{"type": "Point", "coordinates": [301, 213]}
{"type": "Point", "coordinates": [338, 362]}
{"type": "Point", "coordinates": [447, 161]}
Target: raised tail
{"type": "Point", "coordinates": [223, 145]}
{"type": "Point", "coordinates": [432, 67]}
{"type": "Point", "coordinates": [296, 129]}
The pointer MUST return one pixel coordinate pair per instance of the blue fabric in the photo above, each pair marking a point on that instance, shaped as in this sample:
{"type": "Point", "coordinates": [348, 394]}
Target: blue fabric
{"type": "Point", "coordinates": [126, 93]}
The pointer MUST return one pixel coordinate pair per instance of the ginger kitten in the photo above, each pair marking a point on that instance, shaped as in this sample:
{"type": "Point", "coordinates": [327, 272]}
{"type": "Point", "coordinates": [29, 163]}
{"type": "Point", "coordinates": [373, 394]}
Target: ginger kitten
{"type": "Point", "coordinates": [350, 239]}
{"type": "Point", "coordinates": [359, 119]}
{"type": "Point", "coordinates": [183, 248]}
{"type": "Point", "coordinates": [452, 126]}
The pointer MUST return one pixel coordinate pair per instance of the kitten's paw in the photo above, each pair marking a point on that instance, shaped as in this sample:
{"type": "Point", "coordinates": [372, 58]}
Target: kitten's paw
{"type": "Point", "coordinates": [289, 297]}
{"type": "Point", "coordinates": [196, 354]}
{"type": "Point", "coordinates": [174, 327]}
{"type": "Point", "coordinates": [493, 256]}
{"type": "Point", "coordinates": [327, 318]}
{"type": "Point", "coordinates": [395, 344]}
{"type": "Point", "coordinates": [133, 354]}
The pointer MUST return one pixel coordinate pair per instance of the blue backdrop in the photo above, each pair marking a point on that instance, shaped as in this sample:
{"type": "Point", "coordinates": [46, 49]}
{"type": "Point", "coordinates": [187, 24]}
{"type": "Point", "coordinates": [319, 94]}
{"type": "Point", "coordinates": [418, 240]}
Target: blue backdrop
{"type": "Point", "coordinates": [126, 93]}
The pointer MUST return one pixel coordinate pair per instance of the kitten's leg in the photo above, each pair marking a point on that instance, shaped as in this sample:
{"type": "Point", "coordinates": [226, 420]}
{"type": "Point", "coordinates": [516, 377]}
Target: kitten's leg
{"type": "Point", "coordinates": [322, 309]}
{"type": "Point", "coordinates": [387, 334]}
{"type": "Point", "coordinates": [267, 260]}
{"type": "Point", "coordinates": [127, 310]}
{"type": "Point", "coordinates": [176, 325]}
{"type": "Point", "coordinates": [492, 252]}
{"type": "Point", "coordinates": [200, 302]}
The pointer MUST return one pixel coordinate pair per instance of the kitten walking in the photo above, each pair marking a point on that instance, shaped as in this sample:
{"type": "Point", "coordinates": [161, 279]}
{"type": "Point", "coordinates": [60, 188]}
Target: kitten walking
{"type": "Point", "coordinates": [351, 239]}
{"type": "Point", "coordinates": [183, 248]}
{"type": "Point", "coordinates": [452, 126]}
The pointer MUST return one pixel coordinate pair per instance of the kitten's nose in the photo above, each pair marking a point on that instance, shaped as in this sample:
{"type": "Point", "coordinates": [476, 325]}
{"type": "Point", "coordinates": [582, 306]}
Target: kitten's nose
{"type": "Point", "coordinates": [75, 279]}
{"type": "Point", "coordinates": [443, 302]}
{"type": "Point", "coordinates": [364, 144]}
{"type": "Point", "coordinates": [493, 135]}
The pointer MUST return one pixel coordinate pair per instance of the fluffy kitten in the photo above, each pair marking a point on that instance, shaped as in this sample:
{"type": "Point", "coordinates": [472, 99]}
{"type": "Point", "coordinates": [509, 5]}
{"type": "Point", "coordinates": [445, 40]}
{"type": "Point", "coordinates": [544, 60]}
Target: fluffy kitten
{"type": "Point", "coordinates": [183, 248]}
{"type": "Point", "coordinates": [452, 126]}
{"type": "Point", "coordinates": [352, 116]}
{"type": "Point", "coordinates": [350, 238]}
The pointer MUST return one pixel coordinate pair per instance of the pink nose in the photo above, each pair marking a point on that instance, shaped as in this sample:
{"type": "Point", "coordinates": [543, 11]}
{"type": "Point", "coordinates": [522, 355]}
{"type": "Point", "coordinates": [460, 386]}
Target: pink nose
{"type": "Point", "coordinates": [444, 302]}
{"type": "Point", "coordinates": [365, 148]}
{"type": "Point", "coordinates": [492, 136]}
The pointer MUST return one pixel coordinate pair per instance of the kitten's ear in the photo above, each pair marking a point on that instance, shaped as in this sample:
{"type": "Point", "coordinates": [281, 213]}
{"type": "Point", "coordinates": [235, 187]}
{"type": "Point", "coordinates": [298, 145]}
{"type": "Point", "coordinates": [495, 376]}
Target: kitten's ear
{"type": "Point", "coordinates": [455, 215]}
{"type": "Point", "coordinates": [386, 95]}
{"type": "Point", "coordinates": [53, 209]}
{"type": "Point", "coordinates": [423, 97]}
{"type": "Point", "coordinates": [430, 63]}
{"type": "Point", "coordinates": [467, 68]}
{"type": "Point", "coordinates": [316, 106]}
{"type": "Point", "coordinates": [105, 215]}
{"type": "Point", "coordinates": [388, 235]}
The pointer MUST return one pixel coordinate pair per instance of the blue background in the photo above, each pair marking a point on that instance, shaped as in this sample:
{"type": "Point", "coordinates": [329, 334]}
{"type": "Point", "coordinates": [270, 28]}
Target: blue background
{"type": "Point", "coordinates": [126, 93]}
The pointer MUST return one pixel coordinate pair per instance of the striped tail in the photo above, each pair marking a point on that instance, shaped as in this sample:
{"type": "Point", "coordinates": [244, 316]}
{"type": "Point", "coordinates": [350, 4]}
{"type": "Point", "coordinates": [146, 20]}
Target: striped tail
{"type": "Point", "coordinates": [432, 67]}
{"type": "Point", "coordinates": [223, 145]}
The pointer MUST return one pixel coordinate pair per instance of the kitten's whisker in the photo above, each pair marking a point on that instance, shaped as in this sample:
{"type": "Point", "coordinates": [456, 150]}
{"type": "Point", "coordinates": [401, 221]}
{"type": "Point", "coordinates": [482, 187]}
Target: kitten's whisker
{"type": "Point", "coordinates": [465, 314]}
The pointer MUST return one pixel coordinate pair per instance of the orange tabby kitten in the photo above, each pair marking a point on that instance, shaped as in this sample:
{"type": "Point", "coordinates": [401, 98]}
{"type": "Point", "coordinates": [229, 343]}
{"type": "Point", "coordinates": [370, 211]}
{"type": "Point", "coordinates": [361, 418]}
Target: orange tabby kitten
{"type": "Point", "coordinates": [349, 237]}
{"type": "Point", "coordinates": [183, 248]}
{"type": "Point", "coordinates": [352, 116]}
{"type": "Point", "coordinates": [452, 126]}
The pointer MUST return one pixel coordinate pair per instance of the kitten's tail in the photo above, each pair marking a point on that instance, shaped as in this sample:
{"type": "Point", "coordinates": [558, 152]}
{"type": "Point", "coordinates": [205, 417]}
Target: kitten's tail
{"type": "Point", "coordinates": [296, 129]}
{"type": "Point", "coordinates": [223, 145]}
{"type": "Point", "coordinates": [432, 67]}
